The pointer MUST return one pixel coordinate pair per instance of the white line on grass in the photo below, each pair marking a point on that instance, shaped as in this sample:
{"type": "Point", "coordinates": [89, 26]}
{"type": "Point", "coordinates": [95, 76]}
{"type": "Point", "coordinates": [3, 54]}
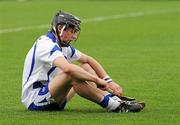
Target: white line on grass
{"type": "Point", "coordinates": [96, 19]}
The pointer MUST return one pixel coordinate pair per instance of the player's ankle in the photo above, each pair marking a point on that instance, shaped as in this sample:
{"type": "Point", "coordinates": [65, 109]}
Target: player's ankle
{"type": "Point", "coordinates": [109, 103]}
{"type": "Point", "coordinates": [114, 97]}
{"type": "Point", "coordinates": [112, 105]}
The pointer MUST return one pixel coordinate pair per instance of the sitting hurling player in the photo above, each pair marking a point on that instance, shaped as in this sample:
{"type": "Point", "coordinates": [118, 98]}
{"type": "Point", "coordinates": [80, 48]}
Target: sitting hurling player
{"type": "Point", "coordinates": [50, 79]}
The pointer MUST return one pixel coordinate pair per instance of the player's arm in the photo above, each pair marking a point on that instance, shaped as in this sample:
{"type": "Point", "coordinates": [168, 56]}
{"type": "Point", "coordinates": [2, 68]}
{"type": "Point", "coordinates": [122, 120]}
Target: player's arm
{"type": "Point", "coordinates": [94, 64]}
{"type": "Point", "coordinates": [77, 72]}
{"type": "Point", "coordinates": [101, 73]}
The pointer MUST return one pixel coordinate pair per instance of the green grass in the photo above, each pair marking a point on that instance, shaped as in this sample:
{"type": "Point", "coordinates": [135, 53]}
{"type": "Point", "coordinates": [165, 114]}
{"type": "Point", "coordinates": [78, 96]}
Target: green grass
{"type": "Point", "coordinates": [141, 53]}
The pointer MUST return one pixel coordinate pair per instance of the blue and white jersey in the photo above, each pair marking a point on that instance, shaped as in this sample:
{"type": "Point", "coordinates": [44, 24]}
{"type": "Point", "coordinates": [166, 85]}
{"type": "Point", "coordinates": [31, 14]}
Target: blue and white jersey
{"type": "Point", "coordinates": [38, 66]}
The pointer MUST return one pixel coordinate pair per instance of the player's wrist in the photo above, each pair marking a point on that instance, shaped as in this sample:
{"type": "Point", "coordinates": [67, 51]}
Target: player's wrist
{"type": "Point", "coordinates": [108, 79]}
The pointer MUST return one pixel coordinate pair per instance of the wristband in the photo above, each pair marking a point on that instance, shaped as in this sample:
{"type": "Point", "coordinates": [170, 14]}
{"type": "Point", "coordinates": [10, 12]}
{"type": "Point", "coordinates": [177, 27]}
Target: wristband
{"type": "Point", "coordinates": [107, 79]}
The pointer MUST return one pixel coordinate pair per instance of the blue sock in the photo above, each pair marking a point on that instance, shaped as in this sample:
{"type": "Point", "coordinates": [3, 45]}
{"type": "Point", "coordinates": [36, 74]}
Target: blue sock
{"type": "Point", "coordinates": [104, 102]}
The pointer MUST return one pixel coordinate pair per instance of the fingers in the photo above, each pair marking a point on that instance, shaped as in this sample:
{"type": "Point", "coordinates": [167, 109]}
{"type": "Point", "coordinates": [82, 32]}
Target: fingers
{"type": "Point", "coordinates": [120, 91]}
{"type": "Point", "coordinates": [112, 88]}
{"type": "Point", "coordinates": [117, 90]}
{"type": "Point", "coordinates": [101, 83]}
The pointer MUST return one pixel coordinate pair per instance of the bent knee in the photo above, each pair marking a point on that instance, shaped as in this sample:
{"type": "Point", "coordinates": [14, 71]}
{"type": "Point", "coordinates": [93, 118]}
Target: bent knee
{"type": "Point", "coordinates": [65, 76]}
{"type": "Point", "coordinates": [88, 68]}
{"type": "Point", "coordinates": [60, 85]}
{"type": "Point", "coordinates": [61, 78]}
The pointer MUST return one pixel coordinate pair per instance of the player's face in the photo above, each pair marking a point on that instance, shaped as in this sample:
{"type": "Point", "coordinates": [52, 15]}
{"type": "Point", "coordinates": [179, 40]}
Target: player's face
{"type": "Point", "coordinates": [70, 34]}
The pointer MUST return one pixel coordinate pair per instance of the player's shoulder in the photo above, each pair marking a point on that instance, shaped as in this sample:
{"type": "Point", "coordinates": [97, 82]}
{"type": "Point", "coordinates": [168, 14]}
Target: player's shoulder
{"type": "Point", "coordinates": [45, 41]}
{"type": "Point", "coordinates": [69, 48]}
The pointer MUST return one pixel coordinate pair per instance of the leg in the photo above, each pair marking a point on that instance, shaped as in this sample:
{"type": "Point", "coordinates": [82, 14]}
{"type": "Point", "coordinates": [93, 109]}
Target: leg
{"type": "Point", "coordinates": [89, 91]}
{"type": "Point", "coordinates": [125, 106]}
{"type": "Point", "coordinates": [87, 68]}
{"type": "Point", "coordinates": [92, 93]}
{"type": "Point", "coordinates": [70, 94]}
{"type": "Point", "coordinates": [129, 107]}
{"type": "Point", "coordinates": [60, 86]}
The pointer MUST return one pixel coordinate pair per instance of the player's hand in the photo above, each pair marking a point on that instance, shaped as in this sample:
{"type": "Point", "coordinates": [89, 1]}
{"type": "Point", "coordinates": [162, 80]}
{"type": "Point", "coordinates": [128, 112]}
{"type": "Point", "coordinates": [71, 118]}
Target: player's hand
{"type": "Point", "coordinates": [115, 88]}
{"type": "Point", "coordinates": [101, 83]}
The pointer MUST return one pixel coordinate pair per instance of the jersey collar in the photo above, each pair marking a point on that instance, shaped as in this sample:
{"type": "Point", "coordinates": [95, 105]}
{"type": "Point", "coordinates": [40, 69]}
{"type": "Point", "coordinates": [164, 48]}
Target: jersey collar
{"type": "Point", "coordinates": [51, 36]}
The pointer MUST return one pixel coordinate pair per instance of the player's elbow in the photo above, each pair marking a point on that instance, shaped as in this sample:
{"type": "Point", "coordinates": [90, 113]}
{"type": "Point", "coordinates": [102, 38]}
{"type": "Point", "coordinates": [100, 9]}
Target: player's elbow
{"type": "Point", "coordinates": [63, 65]}
{"type": "Point", "coordinates": [67, 69]}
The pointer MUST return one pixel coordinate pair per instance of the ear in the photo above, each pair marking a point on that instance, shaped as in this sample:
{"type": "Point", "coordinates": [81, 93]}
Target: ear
{"type": "Point", "coordinates": [59, 28]}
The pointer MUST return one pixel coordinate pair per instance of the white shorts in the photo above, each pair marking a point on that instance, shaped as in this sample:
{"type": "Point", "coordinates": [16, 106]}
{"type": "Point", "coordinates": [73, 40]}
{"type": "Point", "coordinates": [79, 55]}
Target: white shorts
{"type": "Point", "coordinates": [43, 101]}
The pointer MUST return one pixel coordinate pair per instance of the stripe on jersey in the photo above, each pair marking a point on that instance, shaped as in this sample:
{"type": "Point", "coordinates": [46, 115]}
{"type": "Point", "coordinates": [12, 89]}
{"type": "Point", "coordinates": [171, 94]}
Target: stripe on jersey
{"type": "Point", "coordinates": [51, 36]}
{"type": "Point", "coordinates": [32, 64]}
{"type": "Point", "coordinates": [55, 48]}
{"type": "Point", "coordinates": [37, 84]}
{"type": "Point", "coordinates": [72, 50]}
{"type": "Point", "coordinates": [49, 72]}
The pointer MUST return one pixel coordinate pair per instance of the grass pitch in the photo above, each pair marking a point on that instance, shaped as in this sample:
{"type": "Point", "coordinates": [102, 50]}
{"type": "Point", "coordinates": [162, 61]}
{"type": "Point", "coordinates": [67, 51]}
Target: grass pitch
{"type": "Point", "coordinates": [137, 42]}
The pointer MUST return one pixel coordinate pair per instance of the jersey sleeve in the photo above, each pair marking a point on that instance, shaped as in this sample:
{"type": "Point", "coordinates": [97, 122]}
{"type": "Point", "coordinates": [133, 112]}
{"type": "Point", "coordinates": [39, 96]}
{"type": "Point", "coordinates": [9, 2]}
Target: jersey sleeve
{"type": "Point", "coordinates": [47, 53]}
{"type": "Point", "coordinates": [73, 54]}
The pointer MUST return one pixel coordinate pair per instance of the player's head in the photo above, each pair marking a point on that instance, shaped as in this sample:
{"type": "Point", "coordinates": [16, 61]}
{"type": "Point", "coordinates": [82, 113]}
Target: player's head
{"type": "Point", "coordinates": [66, 27]}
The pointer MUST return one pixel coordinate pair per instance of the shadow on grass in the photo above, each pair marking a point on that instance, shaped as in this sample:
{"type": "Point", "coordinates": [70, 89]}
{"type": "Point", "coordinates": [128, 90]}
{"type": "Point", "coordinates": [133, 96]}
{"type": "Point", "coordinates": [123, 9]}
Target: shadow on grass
{"type": "Point", "coordinates": [68, 110]}
{"type": "Point", "coordinates": [73, 110]}
{"type": "Point", "coordinates": [85, 110]}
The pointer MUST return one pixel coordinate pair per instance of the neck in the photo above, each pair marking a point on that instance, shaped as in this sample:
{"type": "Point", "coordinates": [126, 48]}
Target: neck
{"type": "Point", "coordinates": [60, 42]}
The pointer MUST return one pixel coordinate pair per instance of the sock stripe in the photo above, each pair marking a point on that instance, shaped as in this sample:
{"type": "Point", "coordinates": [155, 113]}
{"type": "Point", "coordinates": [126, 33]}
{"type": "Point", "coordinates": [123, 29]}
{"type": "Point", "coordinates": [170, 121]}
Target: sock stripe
{"type": "Point", "coordinates": [105, 101]}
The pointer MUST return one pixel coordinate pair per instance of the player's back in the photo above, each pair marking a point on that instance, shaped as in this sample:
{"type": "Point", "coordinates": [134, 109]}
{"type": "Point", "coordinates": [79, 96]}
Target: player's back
{"type": "Point", "coordinates": [38, 64]}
